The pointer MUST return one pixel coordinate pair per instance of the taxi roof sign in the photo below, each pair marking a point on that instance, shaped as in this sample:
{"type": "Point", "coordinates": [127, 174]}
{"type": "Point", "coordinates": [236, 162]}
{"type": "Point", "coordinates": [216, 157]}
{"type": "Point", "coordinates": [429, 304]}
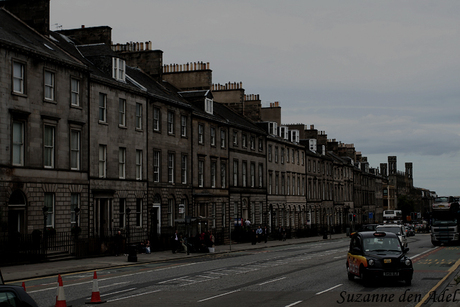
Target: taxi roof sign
{"type": "Point", "coordinates": [379, 234]}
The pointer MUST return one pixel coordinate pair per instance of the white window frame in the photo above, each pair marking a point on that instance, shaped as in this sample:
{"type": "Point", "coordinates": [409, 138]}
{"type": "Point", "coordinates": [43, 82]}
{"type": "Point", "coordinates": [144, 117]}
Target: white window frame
{"type": "Point", "coordinates": [171, 159]}
{"type": "Point", "coordinates": [156, 165]}
{"type": "Point", "coordinates": [201, 134]}
{"type": "Point", "coordinates": [201, 173]}
{"type": "Point", "coordinates": [222, 138]}
{"type": "Point", "coordinates": [74, 203]}
{"type": "Point", "coordinates": [139, 205]}
{"type": "Point", "coordinates": [49, 202]}
{"type": "Point", "coordinates": [102, 161]}
{"type": "Point", "coordinates": [139, 164]}
{"type": "Point", "coordinates": [49, 146]}
{"type": "Point", "coordinates": [75, 144]}
{"type": "Point", "coordinates": [18, 74]}
{"type": "Point", "coordinates": [170, 122]}
{"type": "Point", "coordinates": [213, 136]}
{"type": "Point", "coordinates": [18, 143]}
{"type": "Point", "coordinates": [235, 173]}
{"type": "Point", "coordinates": [213, 173]}
{"type": "Point", "coordinates": [184, 169]}
{"type": "Point", "coordinates": [121, 112]}
{"type": "Point", "coordinates": [261, 175]}
{"type": "Point", "coordinates": [156, 119]}
{"type": "Point", "coordinates": [183, 126]}
{"type": "Point", "coordinates": [74, 92]}
{"type": "Point", "coordinates": [139, 115]}
{"type": "Point", "coordinates": [208, 105]}
{"type": "Point", "coordinates": [223, 175]}
{"type": "Point", "coordinates": [252, 171]}
{"type": "Point", "coordinates": [170, 212]}
{"type": "Point", "coordinates": [119, 68]}
{"type": "Point", "coordinates": [102, 108]}
{"type": "Point", "coordinates": [244, 173]}
{"type": "Point", "coordinates": [121, 163]}
{"type": "Point", "coordinates": [49, 85]}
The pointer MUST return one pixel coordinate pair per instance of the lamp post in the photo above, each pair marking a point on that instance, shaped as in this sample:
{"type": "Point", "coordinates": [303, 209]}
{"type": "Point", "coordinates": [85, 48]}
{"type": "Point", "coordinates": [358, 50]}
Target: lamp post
{"type": "Point", "coordinates": [152, 223]}
{"type": "Point", "coordinates": [128, 211]}
{"type": "Point", "coordinates": [77, 224]}
{"type": "Point", "coordinates": [45, 217]}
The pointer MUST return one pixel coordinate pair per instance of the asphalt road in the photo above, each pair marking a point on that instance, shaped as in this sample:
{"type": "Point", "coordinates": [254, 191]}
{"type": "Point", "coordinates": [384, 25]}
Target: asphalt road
{"type": "Point", "coordinates": [308, 274]}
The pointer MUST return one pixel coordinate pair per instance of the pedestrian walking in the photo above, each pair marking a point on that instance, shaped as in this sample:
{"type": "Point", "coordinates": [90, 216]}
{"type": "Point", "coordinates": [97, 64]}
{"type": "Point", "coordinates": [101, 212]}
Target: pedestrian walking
{"type": "Point", "coordinates": [259, 234]}
{"type": "Point", "coordinates": [175, 242]}
{"type": "Point", "coordinates": [265, 233]}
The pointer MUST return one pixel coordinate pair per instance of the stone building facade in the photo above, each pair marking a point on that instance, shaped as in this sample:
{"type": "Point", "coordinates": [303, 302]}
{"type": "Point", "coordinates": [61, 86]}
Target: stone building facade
{"type": "Point", "coordinates": [106, 137]}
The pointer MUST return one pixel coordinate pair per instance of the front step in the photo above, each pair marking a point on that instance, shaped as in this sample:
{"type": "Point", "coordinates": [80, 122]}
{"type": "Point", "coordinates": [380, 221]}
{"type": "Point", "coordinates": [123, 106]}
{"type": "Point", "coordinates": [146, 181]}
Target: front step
{"type": "Point", "coordinates": [59, 255]}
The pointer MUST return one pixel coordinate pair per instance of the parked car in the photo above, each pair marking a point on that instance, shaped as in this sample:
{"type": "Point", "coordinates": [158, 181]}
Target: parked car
{"type": "Point", "coordinates": [378, 255]}
{"type": "Point", "coordinates": [12, 296]}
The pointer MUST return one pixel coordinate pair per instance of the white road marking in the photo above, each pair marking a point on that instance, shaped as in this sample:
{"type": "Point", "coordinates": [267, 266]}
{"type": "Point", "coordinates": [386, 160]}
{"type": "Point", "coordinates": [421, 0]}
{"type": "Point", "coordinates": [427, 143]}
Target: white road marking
{"type": "Point", "coordinates": [328, 289]}
{"type": "Point", "coordinates": [267, 282]}
{"type": "Point", "coordinates": [134, 295]}
{"type": "Point", "coordinates": [121, 291]}
{"type": "Point", "coordinates": [422, 253]}
{"type": "Point", "coordinates": [298, 302]}
{"type": "Point", "coordinates": [213, 297]}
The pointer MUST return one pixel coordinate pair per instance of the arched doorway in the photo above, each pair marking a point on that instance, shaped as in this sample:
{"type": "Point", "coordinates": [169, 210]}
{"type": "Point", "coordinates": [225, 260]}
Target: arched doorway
{"type": "Point", "coordinates": [17, 205]}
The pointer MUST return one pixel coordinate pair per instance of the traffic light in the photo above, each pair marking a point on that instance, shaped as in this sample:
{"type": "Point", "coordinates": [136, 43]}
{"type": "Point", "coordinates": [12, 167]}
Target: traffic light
{"type": "Point", "coordinates": [351, 217]}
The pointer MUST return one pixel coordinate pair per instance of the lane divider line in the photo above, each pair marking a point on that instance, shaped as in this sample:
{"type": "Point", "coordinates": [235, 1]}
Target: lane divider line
{"type": "Point", "coordinates": [273, 280]}
{"type": "Point", "coordinates": [213, 297]}
{"type": "Point", "coordinates": [293, 304]}
{"type": "Point", "coordinates": [328, 289]}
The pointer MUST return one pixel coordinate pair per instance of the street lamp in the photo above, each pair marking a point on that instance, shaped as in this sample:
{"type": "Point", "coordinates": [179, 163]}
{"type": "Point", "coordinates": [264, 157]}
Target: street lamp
{"type": "Point", "coordinates": [45, 216]}
{"type": "Point", "coordinates": [128, 211]}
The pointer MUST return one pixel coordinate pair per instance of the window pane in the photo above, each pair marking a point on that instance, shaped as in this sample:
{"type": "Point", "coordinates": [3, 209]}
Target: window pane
{"type": "Point", "coordinates": [75, 149]}
{"type": "Point", "coordinates": [75, 92]}
{"type": "Point", "coordinates": [49, 146]}
{"type": "Point", "coordinates": [18, 143]}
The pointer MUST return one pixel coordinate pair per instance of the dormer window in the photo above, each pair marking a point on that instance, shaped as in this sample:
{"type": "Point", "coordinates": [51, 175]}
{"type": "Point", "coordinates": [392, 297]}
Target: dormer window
{"type": "Point", "coordinates": [118, 69]}
{"type": "Point", "coordinates": [273, 128]}
{"type": "Point", "coordinates": [208, 105]}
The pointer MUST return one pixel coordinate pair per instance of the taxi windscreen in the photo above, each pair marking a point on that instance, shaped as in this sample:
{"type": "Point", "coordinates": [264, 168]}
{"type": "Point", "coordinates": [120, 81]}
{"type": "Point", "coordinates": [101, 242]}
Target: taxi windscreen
{"type": "Point", "coordinates": [378, 244]}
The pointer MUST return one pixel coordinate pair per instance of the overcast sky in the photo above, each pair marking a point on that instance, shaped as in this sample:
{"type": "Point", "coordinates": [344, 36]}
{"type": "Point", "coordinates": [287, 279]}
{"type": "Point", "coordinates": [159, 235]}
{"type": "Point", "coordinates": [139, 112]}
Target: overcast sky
{"type": "Point", "coordinates": [383, 75]}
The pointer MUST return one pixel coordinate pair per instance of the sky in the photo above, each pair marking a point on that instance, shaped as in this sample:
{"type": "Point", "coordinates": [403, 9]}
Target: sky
{"type": "Point", "coordinates": [382, 75]}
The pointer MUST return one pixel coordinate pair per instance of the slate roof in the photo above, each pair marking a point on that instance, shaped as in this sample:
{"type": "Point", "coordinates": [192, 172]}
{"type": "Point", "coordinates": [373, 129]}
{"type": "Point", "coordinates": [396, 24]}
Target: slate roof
{"type": "Point", "coordinates": [16, 34]}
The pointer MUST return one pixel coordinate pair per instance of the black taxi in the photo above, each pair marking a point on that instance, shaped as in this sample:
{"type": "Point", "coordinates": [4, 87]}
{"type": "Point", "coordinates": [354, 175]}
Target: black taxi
{"type": "Point", "coordinates": [378, 255]}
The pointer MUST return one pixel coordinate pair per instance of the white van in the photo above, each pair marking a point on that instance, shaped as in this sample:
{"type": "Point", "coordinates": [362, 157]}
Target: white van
{"type": "Point", "coordinates": [397, 229]}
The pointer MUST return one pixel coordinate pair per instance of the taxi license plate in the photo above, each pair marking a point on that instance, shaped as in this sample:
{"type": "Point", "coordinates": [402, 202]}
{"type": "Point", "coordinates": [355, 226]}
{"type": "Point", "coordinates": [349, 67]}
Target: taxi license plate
{"type": "Point", "coordinates": [390, 273]}
{"type": "Point", "coordinates": [386, 260]}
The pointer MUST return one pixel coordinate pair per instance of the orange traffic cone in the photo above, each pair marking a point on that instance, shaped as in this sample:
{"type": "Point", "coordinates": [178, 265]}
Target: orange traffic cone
{"type": "Point", "coordinates": [95, 296]}
{"type": "Point", "coordinates": [24, 286]}
{"type": "Point", "coordinates": [60, 298]}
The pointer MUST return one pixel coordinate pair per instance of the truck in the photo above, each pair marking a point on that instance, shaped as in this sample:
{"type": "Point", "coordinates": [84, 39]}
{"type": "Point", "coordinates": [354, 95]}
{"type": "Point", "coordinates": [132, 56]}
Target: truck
{"type": "Point", "coordinates": [445, 221]}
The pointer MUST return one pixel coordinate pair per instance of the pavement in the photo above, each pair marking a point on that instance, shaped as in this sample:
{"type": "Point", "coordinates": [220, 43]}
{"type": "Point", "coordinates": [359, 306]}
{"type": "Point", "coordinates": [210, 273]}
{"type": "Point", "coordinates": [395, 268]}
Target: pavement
{"type": "Point", "coordinates": [20, 273]}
